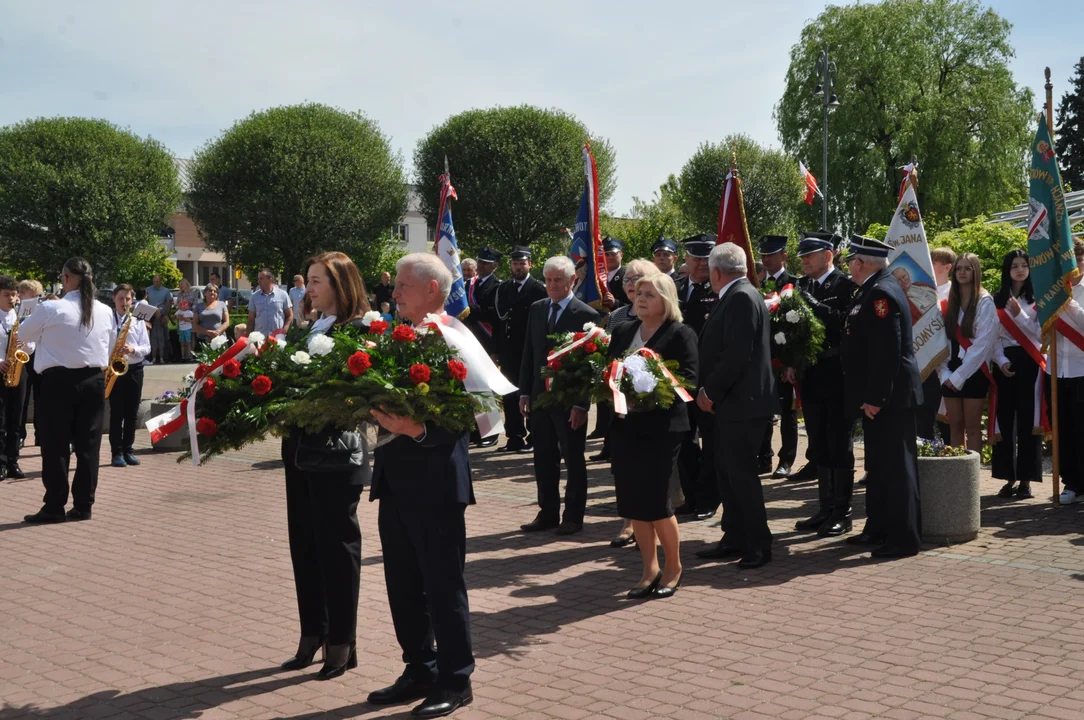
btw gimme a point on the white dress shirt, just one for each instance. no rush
(1070, 357)
(727, 287)
(1028, 322)
(943, 290)
(7, 321)
(562, 305)
(138, 337)
(982, 345)
(62, 341)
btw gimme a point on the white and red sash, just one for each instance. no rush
(1040, 416)
(966, 343)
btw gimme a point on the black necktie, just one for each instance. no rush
(554, 309)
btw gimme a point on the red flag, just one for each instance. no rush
(910, 174)
(732, 227)
(811, 188)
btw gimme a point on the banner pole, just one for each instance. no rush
(1055, 465)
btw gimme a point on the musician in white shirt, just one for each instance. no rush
(127, 388)
(11, 398)
(72, 336)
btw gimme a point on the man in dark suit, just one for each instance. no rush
(423, 481)
(512, 305)
(482, 319)
(736, 384)
(557, 432)
(883, 388)
(773, 255)
(614, 251)
(696, 465)
(829, 429)
(664, 255)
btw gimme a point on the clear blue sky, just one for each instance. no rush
(655, 78)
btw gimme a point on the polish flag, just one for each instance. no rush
(811, 188)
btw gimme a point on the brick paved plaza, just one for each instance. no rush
(177, 601)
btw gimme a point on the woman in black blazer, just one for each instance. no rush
(645, 444)
(321, 508)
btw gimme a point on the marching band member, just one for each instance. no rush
(127, 388)
(72, 337)
(29, 289)
(11, 398)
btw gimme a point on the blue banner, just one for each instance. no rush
(447, 249)
(582, 251)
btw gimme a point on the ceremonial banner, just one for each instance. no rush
(1050, 242)
(586, 241)
(732, 227)
(447, 249)
(909, 262)
(811, 189)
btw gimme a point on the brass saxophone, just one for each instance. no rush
(16, 356)
(118, 363)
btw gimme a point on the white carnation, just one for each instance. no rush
(368, 318)
(588, 327)
(643, 382)
(422, 331)
(219, 341)
(190, 378)
(301, 357)
(256, 338)
(635, 364)
(321, 345)
(431, 318)
(780, 338)
(793, 316)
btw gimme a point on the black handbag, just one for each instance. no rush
(333, 451)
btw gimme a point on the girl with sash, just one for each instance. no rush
(971, 324)
(1070, 327)
(1018, 367)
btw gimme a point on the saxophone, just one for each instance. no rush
(16, 356)
(118, 363)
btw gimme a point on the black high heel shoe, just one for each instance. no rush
(667, 592)
(306, 651)
(640, 593)
(337, 660)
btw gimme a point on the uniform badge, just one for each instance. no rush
(881, 308)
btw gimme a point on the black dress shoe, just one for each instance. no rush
(864, 481)
(306, 651)
(538, 524)
(646, 591)
(781, 472)
(130, 458)
(662, 592)
(622, 541)
(684, 509)
(488, 442)
(443, 701)
(864, 538)
(43, 516)
(755, 559)
(807, 472)
(814, 522)
(764, 468)
(527, 449)
(569, 527)
(894, 551)
(15, 472)
(602, 455)
(834, 528)
(720, 552)
(597, 434)
(705, 514)
(337, 660)
(75, 514)
(406, 689)
(513, 445)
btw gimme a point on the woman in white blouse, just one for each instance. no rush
(970, 315)
(1018, 448)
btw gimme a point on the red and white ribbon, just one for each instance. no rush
(617, 371)
(773, 299)
(591, 335)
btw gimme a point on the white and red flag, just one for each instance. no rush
(811, 189)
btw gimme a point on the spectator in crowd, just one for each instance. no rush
(161, 298)
(270, 309)
(187, 300)
(297, 292)
(212, 315)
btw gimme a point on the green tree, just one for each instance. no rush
(649, 221)
(990, 241)
(139, 268)
(1069, 138)
(923, 78)
(287, 183)
(771, 185)
(518, 173)
(78, 187)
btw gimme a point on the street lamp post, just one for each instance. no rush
(826, 70)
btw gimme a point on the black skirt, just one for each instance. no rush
(644, 456)
(975, 387)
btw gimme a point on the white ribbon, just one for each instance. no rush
(249, 349)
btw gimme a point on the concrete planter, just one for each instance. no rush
(949, 492)
(175, 442)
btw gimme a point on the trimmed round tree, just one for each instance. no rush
(80, 187)
(287, 183)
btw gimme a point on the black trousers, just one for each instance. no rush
(425, 550)
(689, 463)
(702, 489)
(515, 425)
(1070, 429)
(926, 414)
(604, 415)
(33, 390)
(72, 403)
(788, 427)
(325, 548)
(892, 503)
(745, 519)
(124, 409)
(11, 417)
(1018, 455)
(554, 439)
(830, 431)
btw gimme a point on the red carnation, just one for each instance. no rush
(378, 327)
(457, 370)
(231, 369)
(261, 385)
(590, 348)
(403, 333)
(359, 362)
(209, 387)
(206, 427)
(418, 373)
(554, 365)
(202, 370)
(579, 336)
(604, 340)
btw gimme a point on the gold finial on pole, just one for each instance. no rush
(734, 156)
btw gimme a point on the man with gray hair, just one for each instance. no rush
(736, 385)
(557, 432)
